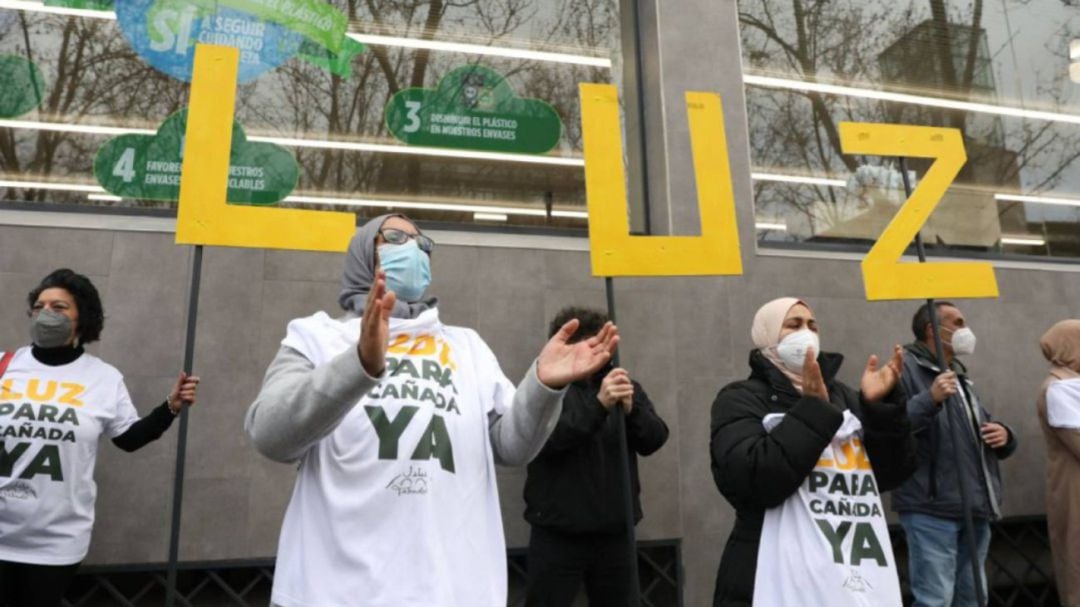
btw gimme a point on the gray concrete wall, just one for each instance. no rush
(683, 338)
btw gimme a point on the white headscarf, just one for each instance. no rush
(768, 322)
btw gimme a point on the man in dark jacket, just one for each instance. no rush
(944, 409)
(574, 494)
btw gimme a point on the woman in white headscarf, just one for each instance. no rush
(397, 422)
(802, 458)
(1059, 416)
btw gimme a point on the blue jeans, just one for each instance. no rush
(939, 562)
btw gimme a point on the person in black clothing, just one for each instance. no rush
(573, 492)
(757, 470)
(56, 400)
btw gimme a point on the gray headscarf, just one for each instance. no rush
(359, 273)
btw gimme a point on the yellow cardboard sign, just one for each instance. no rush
(614, 251)
(203, 216)
(884, 276)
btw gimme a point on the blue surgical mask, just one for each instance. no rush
(408, 270)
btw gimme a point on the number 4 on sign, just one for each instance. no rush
(884, 275)
(125, 166)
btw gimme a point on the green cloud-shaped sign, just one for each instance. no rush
(473, 108)
(21, 86)
(148, 166)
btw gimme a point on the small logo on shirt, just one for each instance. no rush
(856, 583)
(19, 491)
(413, 482)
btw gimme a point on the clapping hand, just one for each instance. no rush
(375, 326)
(813, 382)
(561, 363)
(877, 383)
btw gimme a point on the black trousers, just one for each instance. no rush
(560, 563)
(25, 585)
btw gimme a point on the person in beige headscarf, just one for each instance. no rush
(770, 433)
(1059, 416)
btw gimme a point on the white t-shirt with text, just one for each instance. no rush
(828, 544)
(51, 419)
(398, 505)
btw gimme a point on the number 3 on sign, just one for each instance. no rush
(413, 114)
(884, 275)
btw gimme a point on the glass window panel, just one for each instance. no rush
(1006, 61)
(96, 86)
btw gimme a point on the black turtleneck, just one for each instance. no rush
(145, 431)
(54, 357)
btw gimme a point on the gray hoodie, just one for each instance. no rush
(300, 403)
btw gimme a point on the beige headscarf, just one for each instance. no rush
(765, 333)
(1061, 346)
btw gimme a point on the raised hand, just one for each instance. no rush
(877, 383)
(616, 389)
(561, 363)
(813, 381)
(183, 392)
(375, 326)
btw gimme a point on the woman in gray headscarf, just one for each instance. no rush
(1059, 415)
(397, 421)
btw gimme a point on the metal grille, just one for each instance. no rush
(659, 569)
(248, 583)
(219, 584)
(1019, 572)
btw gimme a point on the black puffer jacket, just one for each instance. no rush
(756, 470)
(575, 485)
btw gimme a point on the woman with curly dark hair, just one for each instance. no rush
(56, 400)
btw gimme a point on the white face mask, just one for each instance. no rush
(963, 342)
(792, 349)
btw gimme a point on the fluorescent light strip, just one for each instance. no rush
(63, 127)
(420, 151)
(47, 185)
(489, 216)
(434, 206)
(98, 193)
(1067, 202)
(849, 91)
(313, 143)
(764, 225)
(1017, 240)
(837, 183)
(399, 41)
(480, 49)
